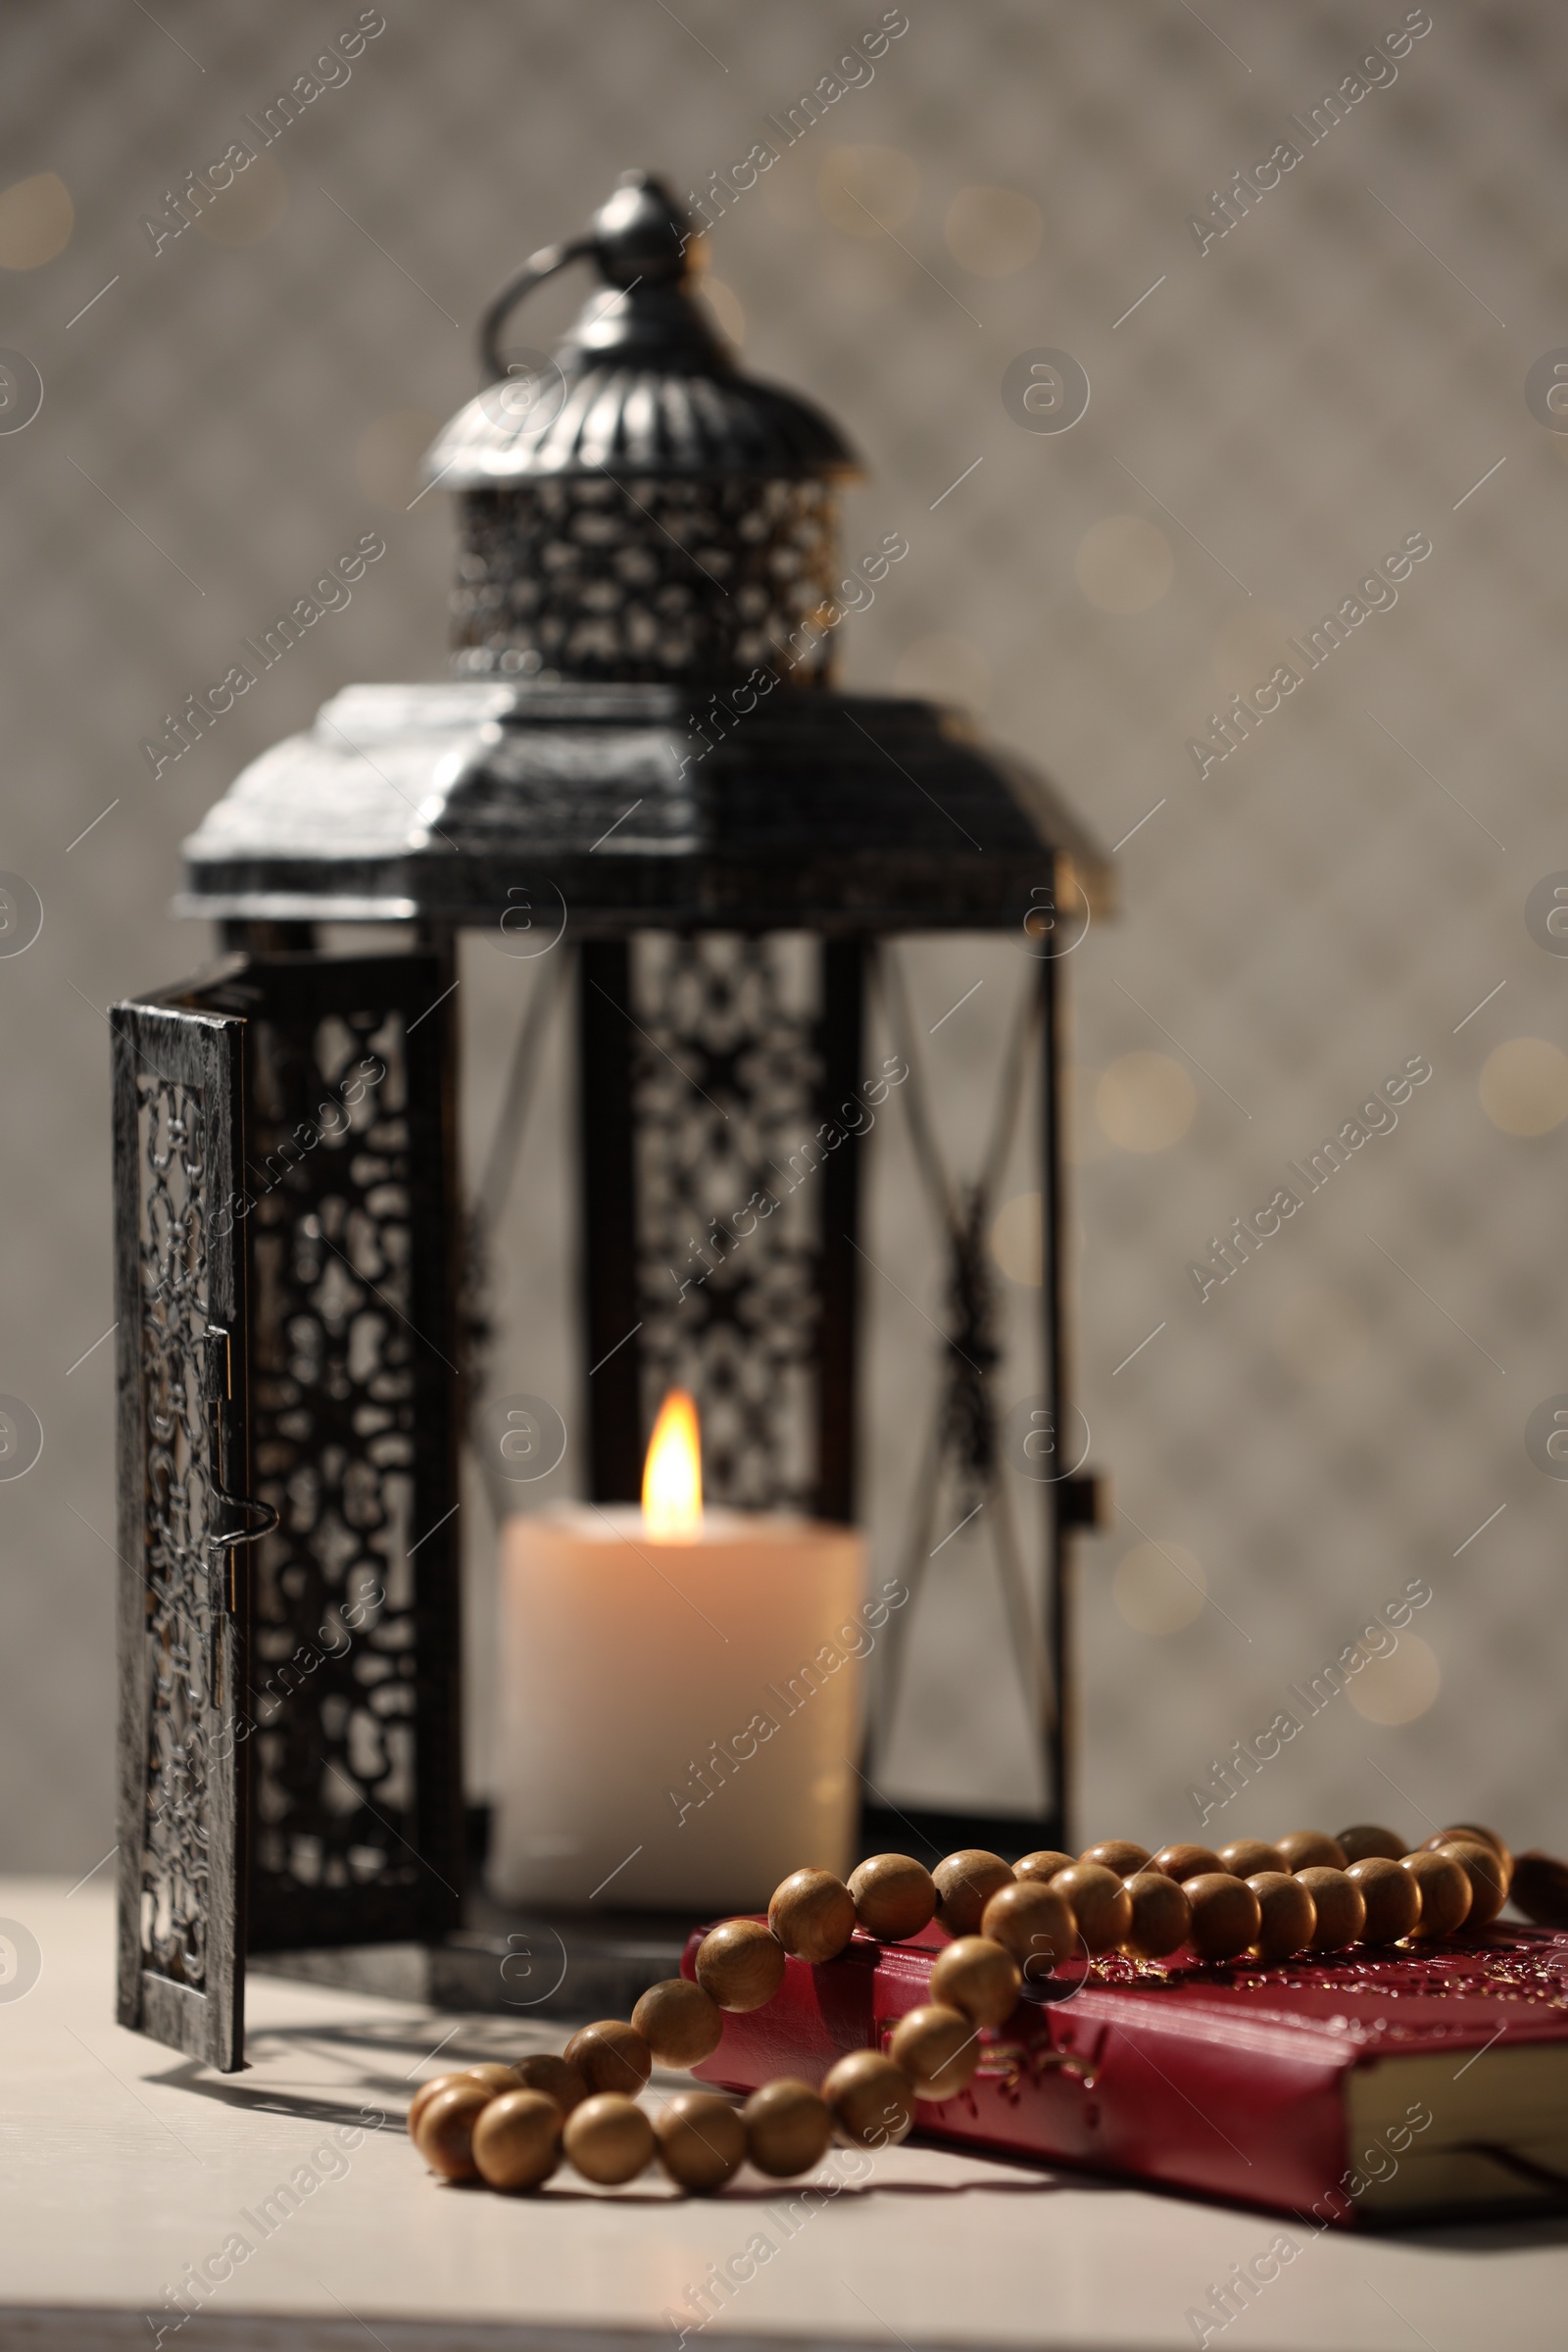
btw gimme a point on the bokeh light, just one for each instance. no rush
(37, 219)
(1146, 1102)
(1158, 1588)
(1524, 1086)
(1398, 1688)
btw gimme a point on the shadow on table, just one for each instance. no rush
(370, 2051)
(784, 2192)
(369, 2054)
(1507, 2233)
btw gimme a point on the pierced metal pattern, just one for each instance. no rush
(180, 1475)
(685, 582)
(180, 1339)
(729, 1188)
(333, 1697)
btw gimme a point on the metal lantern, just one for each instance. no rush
(641, 745)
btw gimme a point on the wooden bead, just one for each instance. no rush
(978, 1976)
(893, 1897)
(609, 2139)
(516, 2141)
(740, 1965)
(700, 2139)
(965, 1883)
(1538, 1888)
(1483, 1867)
(1250, 1857)
(1392, 1897)
(1184, 1862)
(1289, 1914)
(1035, 1923)
(788, 2127)
(812, 1915)
(1227, 1915)
(610, 2056)
(557, 2078)
(495, 2078)
(1458, 1831)
(1118, 1854)
(1043, 1865)
(1444, 1894)
(1310, 1849)
(681, 2024)
(1101, 1906)
(871, 2101)
(422, 2098)
(1163, 1916)
(937, 2049)
(444, 2136)
(1341, 1906)
(1368, 1842)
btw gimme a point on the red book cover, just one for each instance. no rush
(1365, 2083)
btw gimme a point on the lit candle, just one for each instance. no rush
(679, 1703)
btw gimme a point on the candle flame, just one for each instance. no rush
(672, 1478)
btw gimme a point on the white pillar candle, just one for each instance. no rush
(678, 1719)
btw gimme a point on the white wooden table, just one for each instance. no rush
(128, 2168)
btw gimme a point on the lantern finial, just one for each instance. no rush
(634, 509)
(641, 234)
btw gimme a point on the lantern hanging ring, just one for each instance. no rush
(639, 238)
(544, 264)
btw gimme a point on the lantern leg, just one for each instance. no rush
(615, 1316)
(840, 1036)
(1062, 1728)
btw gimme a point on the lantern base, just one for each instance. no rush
(507, 1963)
(929, 1834)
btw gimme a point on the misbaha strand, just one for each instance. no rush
(1013, 1927)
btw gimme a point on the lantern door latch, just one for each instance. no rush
(1086, 1500)
(237, 1518)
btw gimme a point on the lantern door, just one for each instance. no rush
(289, 1633)
(182, 1601)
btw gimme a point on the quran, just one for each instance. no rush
(1376, 2085)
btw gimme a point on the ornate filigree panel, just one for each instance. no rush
(178, 1335)
(288, 1630)
(350, 1717)
(180, 1476)
(687, 582)
(729, 1162)
(332, 1700)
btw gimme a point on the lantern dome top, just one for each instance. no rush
(643, 730)
(643, 383)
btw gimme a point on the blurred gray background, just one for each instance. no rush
(1272, 412)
